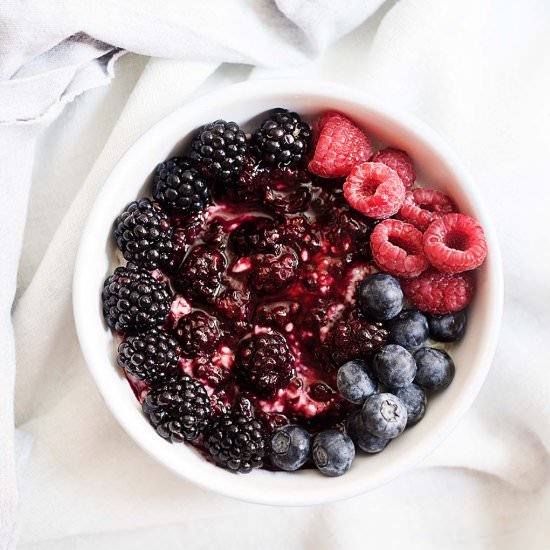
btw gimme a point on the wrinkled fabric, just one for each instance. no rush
(52, 51)
(476, 72)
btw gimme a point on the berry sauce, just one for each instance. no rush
(283, 252)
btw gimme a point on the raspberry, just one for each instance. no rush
(264, 363)
(273, 273)
(355, 338)
(200, 274)
(375, 190)
(423, 206)
(198, 333)
(215, 234)
(397, 248)
(400, 162)
(455, 243)
(440, 293)
(340, 147)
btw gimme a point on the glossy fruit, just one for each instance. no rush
(375, 190)
(409, 329)
(354, 383)
(379, 297)
(384, 415)
(340, 146)
(290, 447)
(435, 369)
(333, 452)
(394, 366)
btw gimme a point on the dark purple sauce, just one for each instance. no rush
(308, 221)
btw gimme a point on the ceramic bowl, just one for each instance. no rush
(437, 166)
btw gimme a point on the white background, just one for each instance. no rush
(476, 71)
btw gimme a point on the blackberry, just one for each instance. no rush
(215, 234)
(179, 187)
(198, 333)
(214, 372)
(319, 318)
(133, 301)
(255, 235)
(287, 202)
(237, 442)
(355, 338)
(282, 139)
(182, 239)
(144, 234)
(276, 314)
(220, 148)
(233, 304)
(200, 274)
(271, 273)
(264, 363)
(247, 188)
(349, 231)
(152, 356)
(319, 277)
(299, 233)
(179, 409)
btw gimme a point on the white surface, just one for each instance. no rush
(475, 70)
(244, 103)
(51, 51)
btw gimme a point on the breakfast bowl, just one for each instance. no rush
(436, 167)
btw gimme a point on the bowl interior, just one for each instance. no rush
(436, 167)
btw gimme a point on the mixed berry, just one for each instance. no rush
(288, 294)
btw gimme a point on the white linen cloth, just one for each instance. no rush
(474, 70)
(53, 50)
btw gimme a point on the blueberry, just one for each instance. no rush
(394, 366)
(409, 329)
(435, 368)
(365, 441)
(380, 297)
(414, 399)
(449, 327)
(290, 447)
(333, 452)
(354, 384)
(384, 415)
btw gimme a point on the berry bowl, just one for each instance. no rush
(431, 261)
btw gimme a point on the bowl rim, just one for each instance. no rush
(270, 89)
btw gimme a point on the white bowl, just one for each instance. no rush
(437, 166)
